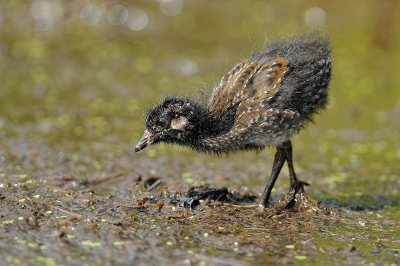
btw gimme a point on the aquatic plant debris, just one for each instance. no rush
(183, 217)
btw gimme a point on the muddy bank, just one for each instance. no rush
(118, 216)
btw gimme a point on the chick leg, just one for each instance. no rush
(293, 179)
(280, 158)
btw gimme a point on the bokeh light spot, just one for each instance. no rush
(40, 9)
(90, 14)
(41, 12)
(186, 67)
(44, 24)
(117, 15)
(40, 90)
(315, 17)
(171, 7)
(137, 19)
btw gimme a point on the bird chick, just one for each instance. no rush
(261, 102)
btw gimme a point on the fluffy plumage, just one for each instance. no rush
(261, 102)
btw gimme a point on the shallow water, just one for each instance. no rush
(71, 101)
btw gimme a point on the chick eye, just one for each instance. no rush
(161, 123)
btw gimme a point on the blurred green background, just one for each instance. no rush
(75, 73)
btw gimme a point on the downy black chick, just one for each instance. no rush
(262, 101)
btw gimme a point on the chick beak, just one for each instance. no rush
(145, 141)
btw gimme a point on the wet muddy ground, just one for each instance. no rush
(74, 79)
(85, 207)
